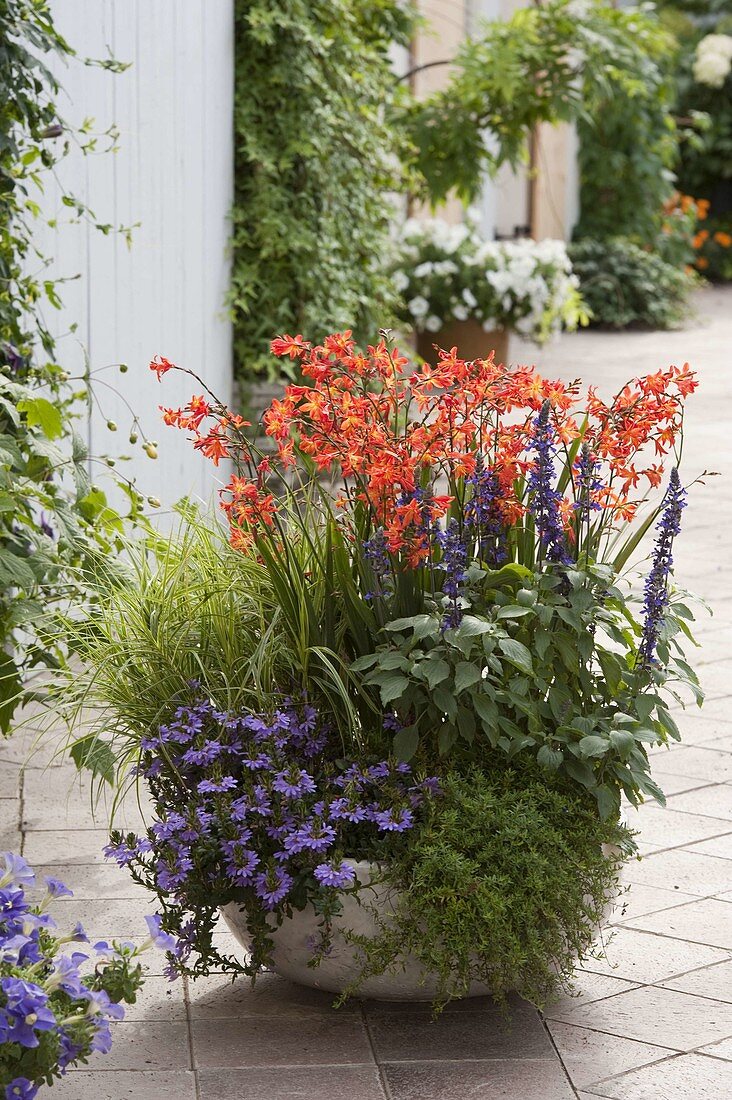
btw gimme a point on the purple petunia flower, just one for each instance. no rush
(56, 888)
(26, 1011)
(160, 938)
(20, 1088)
(17, 871)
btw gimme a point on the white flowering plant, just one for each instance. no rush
(713, 60)
(452, 273)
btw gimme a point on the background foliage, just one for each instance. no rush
(315, 162)
(53, 522)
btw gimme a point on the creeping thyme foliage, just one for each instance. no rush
(57, 997)
(504, 883)
(251, 808)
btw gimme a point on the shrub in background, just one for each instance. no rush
(623, 284)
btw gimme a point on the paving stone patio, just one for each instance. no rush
(652, 1019)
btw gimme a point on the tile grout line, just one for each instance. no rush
(189, 1032)
(556, 1050)
(383, 1082)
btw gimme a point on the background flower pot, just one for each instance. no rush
(294, 939)
(471, 340)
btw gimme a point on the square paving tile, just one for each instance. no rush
(692, 872)
(94, 882)
(637, 900)
(591, 1055)
(719, 1050)
(65, 846)
(593, 987)
(148, 1045)
(661, 1017)
(711, 981)
(720, 846)
(125, 1085)
(643, 957)
(292, 1083)
(115, 919)
(217, 997)
(689, 1077)
(281, 1041)
(415, 1036)
(714, 801)
(531, 1079)
(705, 921)
(663, 827)
(699, 763)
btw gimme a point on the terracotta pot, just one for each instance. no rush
(470, 339)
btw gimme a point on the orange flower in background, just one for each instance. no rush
(161, 366)
(723, 239)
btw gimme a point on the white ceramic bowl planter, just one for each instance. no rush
(293, 945)
(294, 938)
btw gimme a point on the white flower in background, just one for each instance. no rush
(713, 60)
(401, 281)
(454, 274)
(419, 307)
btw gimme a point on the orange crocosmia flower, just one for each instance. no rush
(161, 365)
(723, 239)
(214, 446)
(294, 346)
(199, 409)
(699, 238)
(702, 262)
(171, 417)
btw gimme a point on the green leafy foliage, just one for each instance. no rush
(548, 63)
(623, 284)
(504, 884)
(315, 160)
(51, 529)
(552, 676)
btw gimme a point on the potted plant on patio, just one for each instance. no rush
(461, 290)
(388, 726)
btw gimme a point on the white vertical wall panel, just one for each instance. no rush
(172, 174)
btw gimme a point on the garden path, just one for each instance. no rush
(653, 1019)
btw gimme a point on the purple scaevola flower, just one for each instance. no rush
(272, 886)
(545, 500)
(337, 875)
(294, 782)
(393, 821)
(656, 587)
(217, 786)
